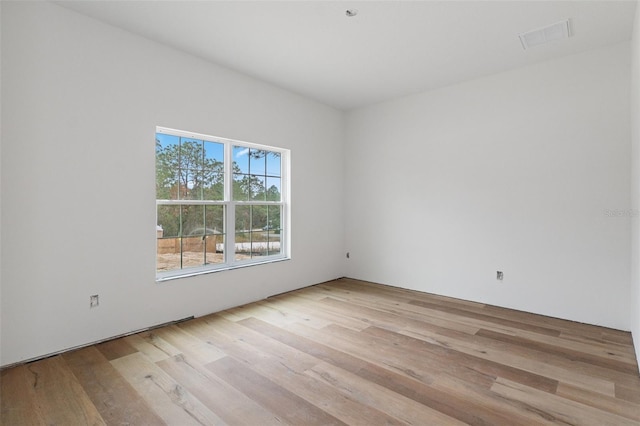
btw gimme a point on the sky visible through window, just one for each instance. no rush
(268, 167)
(211, 211)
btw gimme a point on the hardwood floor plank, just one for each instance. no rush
(519, 413)
(571, 354)
(366, 371)
(115, 399)
(190, 346)
(340, 352)
(344, 408)
(152, 338)
(616, 336)
(625, 351)
(628, 393)
(152, 352)
(235, 337)
(558, 409)
(595, 333)
(381, 318)
(560, 361)
(407, 310)
(287, 372)
(270, 313)
(18, 400)
(170, 400)
(482, 344)
(413, 384)
(231, 405)
(453, 357)
(605, 403)
(114, 349)
(410, 357)
(487, 318)
(57, 396)
(44, 393)
(396, 405)
(398, 293)
(313, 315)
(285, 404)
(521, 361)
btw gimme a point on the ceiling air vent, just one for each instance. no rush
(553, 32)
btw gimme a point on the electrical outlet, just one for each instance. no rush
(94, 301)
(499, 275)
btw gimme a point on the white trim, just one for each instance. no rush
(191, 202)
(220, 267)
(230, 207)
(211, 138)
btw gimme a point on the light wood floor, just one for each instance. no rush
(343, 352)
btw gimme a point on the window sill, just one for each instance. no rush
(170, 276)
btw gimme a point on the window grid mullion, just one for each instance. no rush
(230, 219)
(228, 203)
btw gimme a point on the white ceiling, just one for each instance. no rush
(390, 49)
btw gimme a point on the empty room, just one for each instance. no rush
(319, 212)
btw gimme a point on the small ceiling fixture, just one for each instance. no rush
(351, 12)
(553, 32)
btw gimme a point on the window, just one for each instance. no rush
(220, 203)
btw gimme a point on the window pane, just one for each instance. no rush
(214, 234)
(257, 162)
(192, 252)
(194, 235)
(213, 188)
(213, 156)
(191, 168)
(186, 181)
(258, 243)
(214, 249)
(257, 231)
(168, 258)
(243, 245)
(240, 159)
(192, 184)
(166, 185)
(257, 188)
(169, 221)
(258, 218)
(193, 221)
(273, 164)
(167, 154)
(214, 220)
(273, 189)
(168, 249)
(251, 231)
(164, 142)
(191, 154)
(273, 236)
(274, 242)
(241, 187)
(274, 218)
(243, 218)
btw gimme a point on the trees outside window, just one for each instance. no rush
(220, 203)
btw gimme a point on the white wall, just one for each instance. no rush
(80, 104)
(510, 172)
(635, 182)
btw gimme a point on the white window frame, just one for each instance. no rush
(230, 206)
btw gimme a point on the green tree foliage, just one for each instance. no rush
(183, 172)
